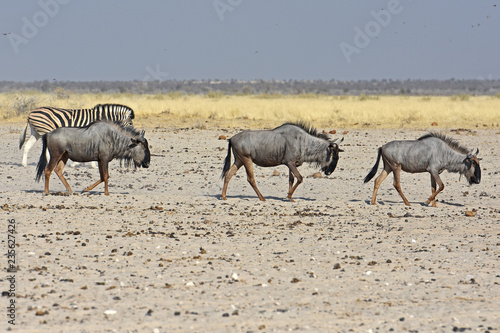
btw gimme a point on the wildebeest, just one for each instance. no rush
(289, 144)
(45, 119)
(101, 141)
(433, 153)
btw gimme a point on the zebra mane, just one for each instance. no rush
(308, 129)
(115, 107)
(449, 141)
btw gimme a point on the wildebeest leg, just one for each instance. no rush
(437, 179)
(433, 188)
(387, 170)
(105, 176)
(59, 172)
(230, 173)
(397, 183)
(293, 172)
(248, 163)
(54, 160)
(101, 173)
(291, 180)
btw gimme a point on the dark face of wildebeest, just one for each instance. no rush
(473, 173)
(332, 158)
(140, 152)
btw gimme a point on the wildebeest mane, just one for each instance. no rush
(449, 141)
(121, 127)
(308, 129)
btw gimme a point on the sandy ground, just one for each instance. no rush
(163, 253)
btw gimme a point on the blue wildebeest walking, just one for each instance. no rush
(43, 120)
(433, 153)
(101, 141)
(288, 144)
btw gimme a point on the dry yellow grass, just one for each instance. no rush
(218, 110)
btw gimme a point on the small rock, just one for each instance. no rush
(336, 266)
(110, 312)
(276, 173)
(222, 137)
(434, 124)
(317, 175)
(470, 213)
(333, 132)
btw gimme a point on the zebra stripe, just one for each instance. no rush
(46, 119)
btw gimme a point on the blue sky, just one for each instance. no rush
(76, 40)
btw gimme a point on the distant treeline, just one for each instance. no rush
(290, 87)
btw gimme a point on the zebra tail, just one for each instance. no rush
(42, 162)
(227, 161)
(22, 139)
(373, 171)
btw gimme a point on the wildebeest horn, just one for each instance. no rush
(337, 139)
(142, 133)
(471, 153)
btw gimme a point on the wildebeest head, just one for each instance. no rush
(332, 157)
(473, 172)
(140, 151)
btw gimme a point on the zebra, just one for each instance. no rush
(45, 119)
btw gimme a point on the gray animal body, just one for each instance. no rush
(288, 144)
(101, 141)
(431, 153)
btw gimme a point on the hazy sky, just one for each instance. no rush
(79, 40)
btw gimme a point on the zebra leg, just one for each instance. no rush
(93, 164)
(27, 146)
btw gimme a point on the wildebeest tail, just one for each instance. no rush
(373, 171)
(227, 161)
(23, 136)
(42, 162)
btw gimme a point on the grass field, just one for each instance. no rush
(268, 110)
